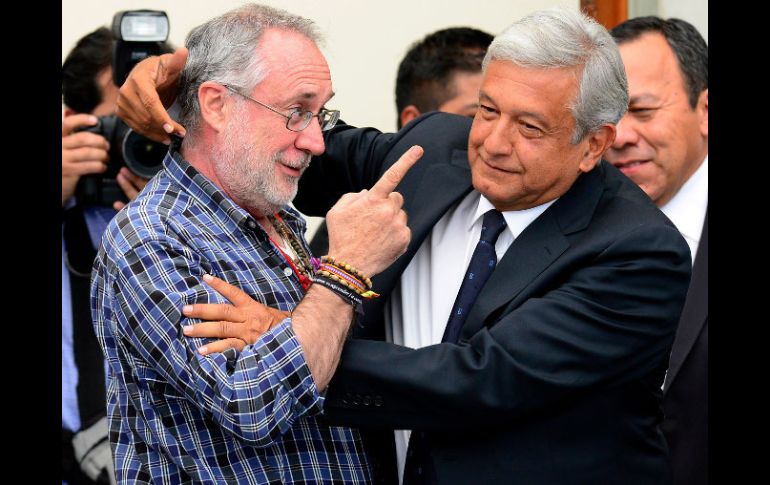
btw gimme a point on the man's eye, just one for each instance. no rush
(529, 130)
(641, 111)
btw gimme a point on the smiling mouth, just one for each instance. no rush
(496, 168)
(295, 169)
(629, 165)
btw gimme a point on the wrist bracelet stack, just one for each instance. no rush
(346, 281)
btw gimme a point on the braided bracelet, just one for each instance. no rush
(348, 269)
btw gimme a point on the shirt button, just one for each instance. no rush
(251, 224)
(287, 271)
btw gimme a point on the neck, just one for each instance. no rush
(200, 159)
(269, 228)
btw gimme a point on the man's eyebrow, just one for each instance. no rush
(537, 116)
(643, 98)
(309, 96)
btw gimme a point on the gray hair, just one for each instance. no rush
(561, 38)
(224, 50)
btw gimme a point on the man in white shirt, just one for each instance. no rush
(662, 145)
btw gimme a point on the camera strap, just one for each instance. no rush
(89, 359)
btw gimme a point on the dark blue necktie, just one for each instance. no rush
(479, 270)
(418, 468)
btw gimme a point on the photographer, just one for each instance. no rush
(88, 93)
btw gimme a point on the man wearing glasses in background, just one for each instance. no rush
(220, 207)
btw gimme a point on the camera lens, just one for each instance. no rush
(141, 155)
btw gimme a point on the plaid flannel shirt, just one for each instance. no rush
(176, 416)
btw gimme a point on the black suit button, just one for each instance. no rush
(367, 400)
(357, 399)
(346, 399)
(377, 401)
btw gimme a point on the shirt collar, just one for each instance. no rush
(687, 209)
(516, 221)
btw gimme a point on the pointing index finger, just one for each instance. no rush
(396, 172)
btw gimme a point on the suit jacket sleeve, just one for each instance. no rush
(605, 322)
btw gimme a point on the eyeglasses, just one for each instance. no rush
(299, 119)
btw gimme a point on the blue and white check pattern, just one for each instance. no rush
(179, 417)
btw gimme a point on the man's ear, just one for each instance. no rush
(703, 112)
(409, 113)
(215, 109)
(596, 143)
(69, 111)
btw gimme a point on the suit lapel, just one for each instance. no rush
(695, 310)
(531, 253)
(536, 248)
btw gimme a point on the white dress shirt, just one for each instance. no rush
(419, 306)
(687, 209)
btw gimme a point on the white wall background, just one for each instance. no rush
(694, 11)
(365, 39)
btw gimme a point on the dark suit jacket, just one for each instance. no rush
(685, 394)
(558, 371)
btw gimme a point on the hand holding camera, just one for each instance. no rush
(82, 153)
(110, 161)
(133, 159)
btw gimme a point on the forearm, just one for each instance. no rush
(321, 322)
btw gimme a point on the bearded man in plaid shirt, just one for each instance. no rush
(253, 95)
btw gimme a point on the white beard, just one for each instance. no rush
(249, 175)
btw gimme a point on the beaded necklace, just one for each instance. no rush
(302, 264)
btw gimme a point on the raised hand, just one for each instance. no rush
(150, 86)
(368, 229)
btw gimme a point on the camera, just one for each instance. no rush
(141, 155)
(138, 34)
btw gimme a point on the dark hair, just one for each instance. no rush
(688, 45)
(90, 56)
(425, 73)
